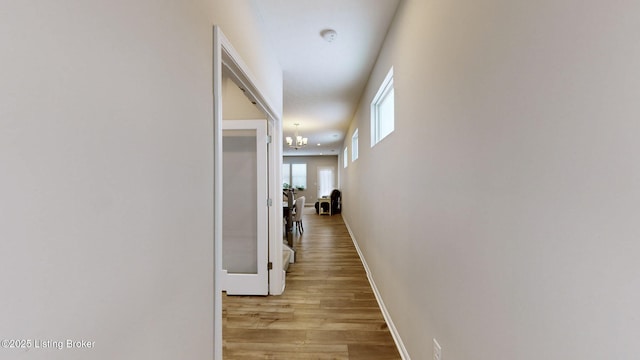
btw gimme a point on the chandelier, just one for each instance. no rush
(300, 142)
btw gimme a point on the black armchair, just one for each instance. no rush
(336, 203)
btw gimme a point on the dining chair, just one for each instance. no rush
(297, 216)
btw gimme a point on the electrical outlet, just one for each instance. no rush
(437, 350)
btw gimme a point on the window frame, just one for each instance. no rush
(385, 89)
(354, 146)
(286, 174)
(345, 157)
(289, 179)
(298, 176)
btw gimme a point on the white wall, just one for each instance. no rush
(511, 230)
(106, 185)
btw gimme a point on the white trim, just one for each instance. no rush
(276, 278)
(385, 313)
(217, 193)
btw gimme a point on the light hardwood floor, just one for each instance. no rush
(328, 310)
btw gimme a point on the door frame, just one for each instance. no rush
(225, 56)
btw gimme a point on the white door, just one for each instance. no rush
(326, 182)
(245, 229)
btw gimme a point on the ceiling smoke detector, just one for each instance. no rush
(328, 35)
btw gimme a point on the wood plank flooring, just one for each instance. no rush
(328, 310)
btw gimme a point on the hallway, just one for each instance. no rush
(328, 310)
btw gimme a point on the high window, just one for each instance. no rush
(382, 110)
(345, 157)
(354, 146)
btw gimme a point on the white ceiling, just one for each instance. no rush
(323, 81)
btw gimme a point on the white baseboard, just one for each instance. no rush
(387, 317)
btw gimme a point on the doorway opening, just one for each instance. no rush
(227, 61)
